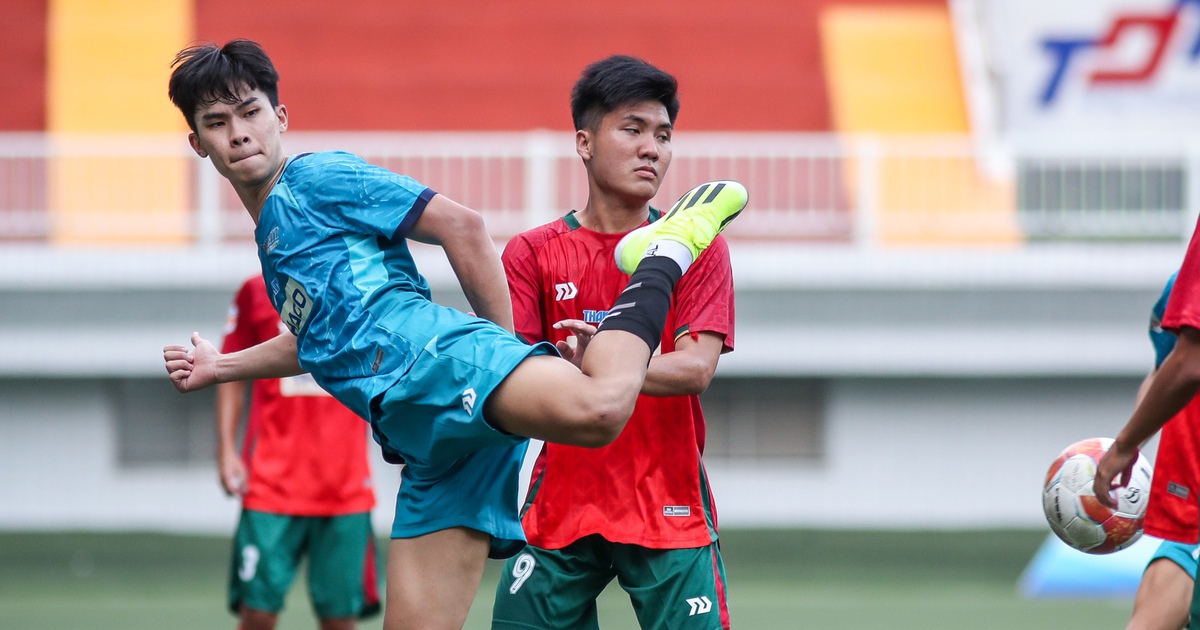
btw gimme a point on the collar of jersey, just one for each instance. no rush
(573, 223)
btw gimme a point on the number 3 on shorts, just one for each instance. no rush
(249, 563)
(521, 570)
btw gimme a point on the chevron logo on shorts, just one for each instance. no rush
(700, 605)
(468, 400)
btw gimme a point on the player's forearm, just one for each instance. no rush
(686, 371)
(481, 275)
(275, 358)
(1145, 387)
(489, 300)
(669, 375)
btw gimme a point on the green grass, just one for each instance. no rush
(777, 579)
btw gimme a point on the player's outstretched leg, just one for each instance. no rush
(694, 221)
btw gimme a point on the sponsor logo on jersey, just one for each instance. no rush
(699, 605)
(468, 400)
(594, 317)
(1178, 490)
(272, 241)
(677, 510)
(297, 306)
(565, 291)
(378, 361)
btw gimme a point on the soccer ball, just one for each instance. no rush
(1073, 511)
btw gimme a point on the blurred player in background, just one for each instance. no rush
(1165, 593)
(305, 483)
(451, 395)
(640, 509)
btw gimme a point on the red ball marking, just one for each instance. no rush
(1054, 468)
(1117, 531)
(1093, 448)
(1091, 506)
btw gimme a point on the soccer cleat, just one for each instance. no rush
(694, 220)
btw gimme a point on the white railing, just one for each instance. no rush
(864, 191)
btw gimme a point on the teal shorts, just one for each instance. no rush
(342, 570)
(1179, 553)
(459, 471)
(682, 589)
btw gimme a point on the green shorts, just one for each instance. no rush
(681, 589)
(342, 576)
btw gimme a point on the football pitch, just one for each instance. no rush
(778, 579)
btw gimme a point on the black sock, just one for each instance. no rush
(642, 307)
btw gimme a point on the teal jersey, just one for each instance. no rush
(1163, 340)
(331, 240)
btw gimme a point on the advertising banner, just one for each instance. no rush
(1125, 67)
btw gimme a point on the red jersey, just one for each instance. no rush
(305, 453)
(649, 487)
(1173, 512)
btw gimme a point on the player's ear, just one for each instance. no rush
(194, 140)
(583, 144)
(282, 114)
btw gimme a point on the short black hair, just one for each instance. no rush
(208, 73)
(617, 80)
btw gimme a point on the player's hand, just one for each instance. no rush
(1113, 471)
(581, 333)
(233, 473)
(192, 369)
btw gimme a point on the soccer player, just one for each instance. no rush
(451, 395)
(1165, 592)
(305, 485)
(639, 509)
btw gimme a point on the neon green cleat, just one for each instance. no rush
(694, 220)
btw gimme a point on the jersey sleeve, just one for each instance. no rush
(239, 327)
(363, 198)
(704, 296)
(524, 286)
(1183, 307)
